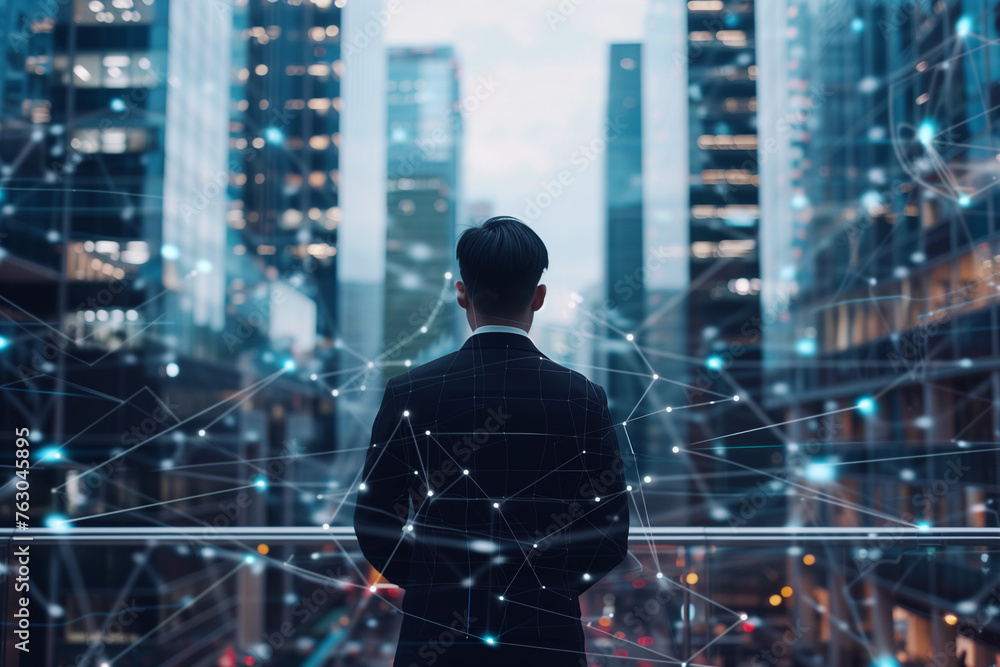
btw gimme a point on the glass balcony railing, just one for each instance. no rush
(684, 596)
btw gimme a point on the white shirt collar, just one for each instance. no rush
(499, 328)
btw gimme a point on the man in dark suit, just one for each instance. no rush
(493, 489)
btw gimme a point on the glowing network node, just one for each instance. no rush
(289, 365)
(423, 329)
(313, 377)
(806, 347)
(4, 342)
(362, 486)
(597, 500)
(50, 454)
(675, 449)
(965, 201)
(430, 493)
(866, 406)
(496, 505)
(447, 276)
(820, 472)
(410, 527)
(370, 364)
(371, 588)
(465, 472)
(628, 488)
(964, 26)
(885, 661)
(273, 135)
(714, 362)
(629, 337)
(923, 526)
(501, 597)
(406, 413)
(326, 526)
(169, 251)
(260, 483)
(172, 370)
(490, 640)
(335, 392)
(669, 409)
(534, 546)
(736, 397)
(857, 24)
(249, 558)
(586, 577)
(57, 522)
(926, 132)
(659, 575)
(647, 479)
(201, 432)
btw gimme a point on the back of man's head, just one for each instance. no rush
(501, 262)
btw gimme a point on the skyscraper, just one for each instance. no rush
(424, 130)
(881, 353)
(135, 323)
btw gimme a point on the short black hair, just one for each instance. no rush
(501, 262)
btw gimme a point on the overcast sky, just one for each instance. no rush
(549, 68)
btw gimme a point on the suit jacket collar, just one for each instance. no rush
(501, 339)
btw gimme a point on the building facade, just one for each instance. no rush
(424, 134)
(882, 262)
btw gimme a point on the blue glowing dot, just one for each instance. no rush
(820, 472)
(714, 362)
(964, 26)
(806, 347)
(866, 405)
(965, 201)
(118, 105)
(173, 370)
(490, 641)
(857, 24)
(885, 661)
(249, 558)
(273, 135)
(203, 266)
(50, 454)
(289, 365)
(800, 202)
(926, 132)
(170, 252)
(4, 342)
(260, 483)
(923, 526)
(58, 522)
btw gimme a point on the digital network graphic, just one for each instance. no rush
(840, 512)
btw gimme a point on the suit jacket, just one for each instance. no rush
(494, 493)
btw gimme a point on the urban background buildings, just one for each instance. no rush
(225, 224)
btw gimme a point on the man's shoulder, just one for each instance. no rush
(457, 365)
(433, 369)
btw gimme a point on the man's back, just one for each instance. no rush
(494, 494)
